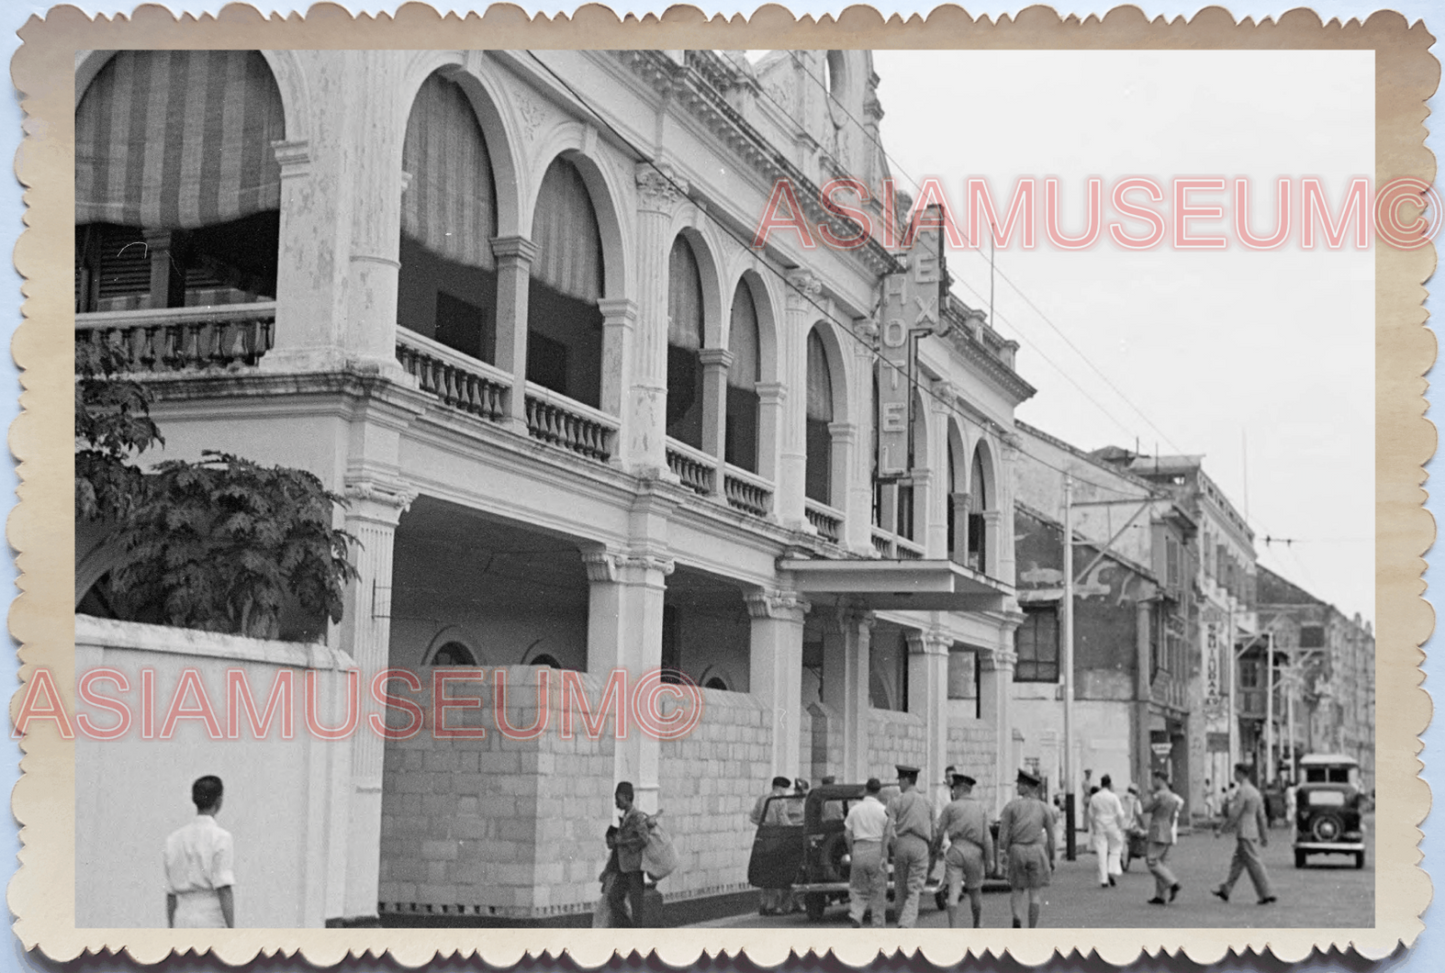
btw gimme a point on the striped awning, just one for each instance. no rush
(178, 139)
(684, 297)
(820, 381)
(743, 340)
(449, 205)
(564, 228)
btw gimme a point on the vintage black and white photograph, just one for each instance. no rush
(795, 490)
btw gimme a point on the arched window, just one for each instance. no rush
(684, 341)
(546, 659)
(564, 326)
(177, 188)
(447, 285)
(819, 441)
(741, 431)
(954, 553)
(453, 654)
(979, 501)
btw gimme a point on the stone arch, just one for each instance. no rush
(714, 300)
(570, 141)
(449, 638)
(475, 74)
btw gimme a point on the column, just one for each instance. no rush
(996, 678)
(924, 523)
(1004, 524)
(775, 670)
(928, 699)
(845, 686)
(715, 365)
(514, 277)
(375, 507)
(168, 274)
(843, 437)
(859, 507)
(994, 543)
(803, 290)
(624, 631)
(369, 327)
(962, 507)
(1143, 755)
(772, 415)
(644, 425)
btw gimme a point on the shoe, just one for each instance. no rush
(1220, 892)
(856, 923)
(1155, 901)
(1018, 925)
(1104, 885)
(1111, 881)
(1269, 900)
(1174, 891)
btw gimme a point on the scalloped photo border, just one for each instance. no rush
(41, 893)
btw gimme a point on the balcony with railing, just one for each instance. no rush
(895, 546)
(458, 380)
(699, 472)
(567, 423)
(826, 520)
(176, 339)
(747, 492)
(695, 469)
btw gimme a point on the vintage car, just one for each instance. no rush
(1328, 809)
(800, 846)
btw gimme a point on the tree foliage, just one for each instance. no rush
(223, 544)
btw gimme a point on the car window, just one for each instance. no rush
(1327, 798)
(836, 810)
(787, 809)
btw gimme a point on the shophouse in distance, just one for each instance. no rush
(1135, 609)
(507, 305)
(1323, 678)
(1223, 621)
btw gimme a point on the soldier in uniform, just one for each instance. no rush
(970, 851)
(912, 821)
(1026, 842)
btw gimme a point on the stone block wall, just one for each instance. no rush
(496, 826)
(894, 738)
(973, 750)
(824, 751)
(708, 783)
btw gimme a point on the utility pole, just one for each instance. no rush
(1268, 708)
(1066, 624)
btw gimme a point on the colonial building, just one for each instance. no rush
(1323, 679)
(1134, 614)
(508, 306)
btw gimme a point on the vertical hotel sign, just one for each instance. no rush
(911, 308)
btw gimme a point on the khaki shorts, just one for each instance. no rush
(1028, 866)
(962, 865)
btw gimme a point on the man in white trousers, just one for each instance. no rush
(1106, 817)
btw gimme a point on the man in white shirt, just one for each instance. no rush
(1106, 816)
(199, 863)
(867, 829)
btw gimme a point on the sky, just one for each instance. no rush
(1262, 361)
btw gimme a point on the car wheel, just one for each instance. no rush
(1299, 859)
(1359, 859)
(835, 859)
(1327, 827)
(815, 903)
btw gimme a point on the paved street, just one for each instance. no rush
(1330, 892)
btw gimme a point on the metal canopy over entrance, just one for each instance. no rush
(923, 585)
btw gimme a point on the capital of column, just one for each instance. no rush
(771, 393)
(293, 156)
(516, 249)
(930, 642)
(921, 476)
(998, 660)
(775, 603)
(615, 566)
(804, 289)
(866, 328)
(618, 310)
(943, 395)
(658, 189)
(856, 616)
(716, 356)
(843, 433)
(962, 501)
(381, 500)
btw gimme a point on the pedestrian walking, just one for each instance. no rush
(627, 889)
(1106, 816)
(770, 900)
(866, 830)
(1026, 842)
(964, 823)
(912, 821)
(199, 865)
(1246, 819)
(1162, 807)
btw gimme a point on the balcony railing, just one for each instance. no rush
(560, 421)
(692, 466)
(746, 492)
(223, 336)
(882, 543)
(458, 380)
(893, 546)
(826, 520)
(906, 550)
